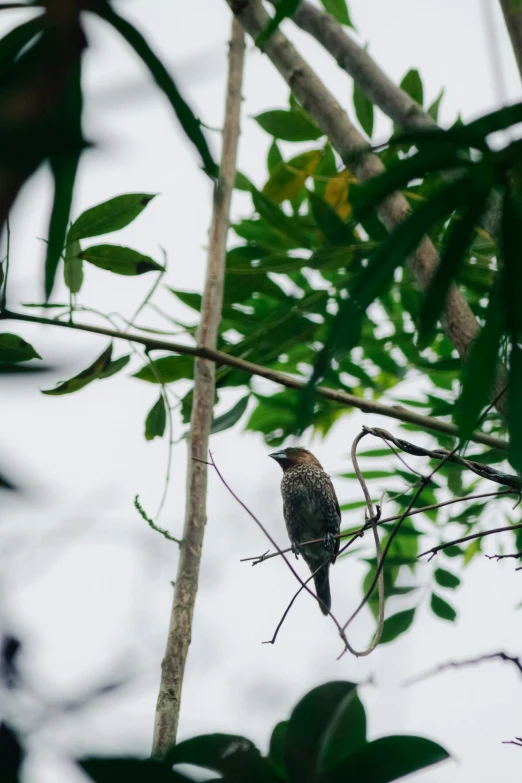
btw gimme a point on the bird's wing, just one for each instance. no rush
(338, 521)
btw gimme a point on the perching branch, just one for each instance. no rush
(433, 551)
(180, 629)
(458, 320)
(220, 357)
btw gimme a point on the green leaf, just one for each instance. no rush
(481, 365)
(284, 9)
(87, 376)
(441, 608)
(326, 169)
(274, 156)
(446, 578)
(335, 230)
(231, 417)
(345, 733)
(120, 260)
(156, 420)
(129, 770)
(73, 267)
(288, 125)
(242, 182)
(395, 625)
(369, 474)
(307, 725)
(189, 298)
(111, 215)
(387, 759)
(276, 218)
(276, 750)
(405, 239)
(412, 85)
(64, 167)
(17, 39)
(461, 235)
(115, 366)
(190, 124)
(433, 110)
(339, 10)
(363, 109)
(167, 369)
(453, 551)
(235, 757)
(15, 349)
(514, 408)
(287, 178)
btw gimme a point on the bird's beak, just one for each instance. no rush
(278, 455)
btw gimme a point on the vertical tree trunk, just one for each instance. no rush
(180, 629)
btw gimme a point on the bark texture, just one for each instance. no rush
(180, 628)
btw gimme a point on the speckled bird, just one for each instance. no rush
(311, 510)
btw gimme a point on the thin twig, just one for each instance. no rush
(517, 662)
(433, 551)
(516, 555)
(165, 533)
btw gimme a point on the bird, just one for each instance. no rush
(311, 510)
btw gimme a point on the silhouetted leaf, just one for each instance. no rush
(276, 750)
(288, 125)
(111, 215)
(17, 39)
(120, 260)
(510, 224)
(11, 754)
(156, 420)
(283, 9)
(307, 725)
(395, 625)
(460, 237)
(235, 757)
(130, 770)
(345, 732)
(167, 369)
(446, 578)
(412, 84)
(441, 608)
(87, 376)
(188, 121)
(514, 408)
(15, 349)
(231, 417)
(363, 109)
(387, 759)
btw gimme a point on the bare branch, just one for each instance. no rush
(513, 20)
(186, 586)
(516, 555)
(221, 358)
(433, 551)
(461, 664)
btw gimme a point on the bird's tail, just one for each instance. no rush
(322, 588)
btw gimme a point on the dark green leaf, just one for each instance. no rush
(130, 770)
(87, 376)
(274, 156)
(11, 754)
(412, 84)
(73, 267)
(307, 725)
(387, 759)
(276, 218)
(120, 260)
(242, 182)
(115, 366)
(514, 408)
(405, 239)
(453, 551)
(188, 121)
(276, 750)
(326, 169)
(235, 757)
(231, 417)
(167, 369)
(339, 10)
(461, 235)
(441, 608)
(369, 474)
(15, 349)
(433, 110)
(363, 109)
(64, 167)
(481, 367)
(395, 625)
(344, 734)
(334, 229)
(156, 420)
(288, 125)
(189, 298)
(111, 215)
(446, 578)
(284, 9)
(510, 224)
(17, 39)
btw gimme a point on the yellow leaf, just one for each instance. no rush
(336, 193)
(473, 549)
(288, 177)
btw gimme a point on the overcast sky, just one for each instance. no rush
(84, 582)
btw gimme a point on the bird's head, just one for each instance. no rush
(294, 455)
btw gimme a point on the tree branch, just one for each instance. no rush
(220, 357)
(180, 629)
(502, 656)
(458, 320)
(513, 20)
(433, 551)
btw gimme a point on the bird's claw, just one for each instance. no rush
(295, 549)
(329, 543)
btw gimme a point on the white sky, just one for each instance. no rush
(84, 582)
